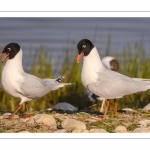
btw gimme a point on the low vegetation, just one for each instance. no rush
(44, 65)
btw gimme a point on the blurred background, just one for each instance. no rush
(49, 50)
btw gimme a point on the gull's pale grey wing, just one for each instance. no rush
(115, 85)
(34, 87)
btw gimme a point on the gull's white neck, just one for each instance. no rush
(12, 74)
(91, 64)
(15, 64)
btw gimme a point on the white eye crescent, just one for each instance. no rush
(9, 49)
(83, 46)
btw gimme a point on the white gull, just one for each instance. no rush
(21, 85)
(103, 82)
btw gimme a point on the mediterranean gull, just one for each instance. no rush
(103, 82)
(21, 85)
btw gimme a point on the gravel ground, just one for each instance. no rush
(92, 120)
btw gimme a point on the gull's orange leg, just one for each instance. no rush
(106, 109)
(28, 114)
(115, 107)
(12, 115)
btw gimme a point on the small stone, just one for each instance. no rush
(144, 123)
(57, 115)
(72, 124)
(49, 109)
(24, 119)
(128, 109)
(53, 127)
(147, 107)
(64, 107)
(80, 131)
(60, 116)
(44, 119)
(84, 113)
(120, 129)
(24, 132)
(98, 131)
(91, 120)
(141, 130)
(6, 115)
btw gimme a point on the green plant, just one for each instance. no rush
(134, 64)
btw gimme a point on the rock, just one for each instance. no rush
(80, 131)
(142, 130)
(23, 119)
(128, 109)
(44, 119)
(144, 123)
(64, 107)
(57, 115)
(91, 120)
(98, 131)
(6, 115)
(60, 131)
(147, 107)
(49, 109)
(120, 129)
(72, 124)
(60, 116)
(24, 132)
(83, 113)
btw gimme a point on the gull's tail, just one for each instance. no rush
(59, 79)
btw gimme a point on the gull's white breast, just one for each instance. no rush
(12, 75)
(91, 65)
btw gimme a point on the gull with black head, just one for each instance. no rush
(21, 85)
(103, 82)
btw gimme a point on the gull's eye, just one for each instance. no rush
(9, 49)
(83, 46)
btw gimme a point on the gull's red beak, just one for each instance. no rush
(79, 57)
(6, 56)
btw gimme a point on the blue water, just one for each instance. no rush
(60, 33)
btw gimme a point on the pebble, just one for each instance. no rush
(24, 132)
(120, 129)
(61, 117)
(98, 131)
(147, 107)
(91, 120)
(24, 119)
(128, 109)
(80, 131)
(144, 123)
(141, 130)
(49, 109)
(6, 115)
(44, 119)
(64, 107)
(72, 124)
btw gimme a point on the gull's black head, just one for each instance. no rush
(85, 46)
(10, 50)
